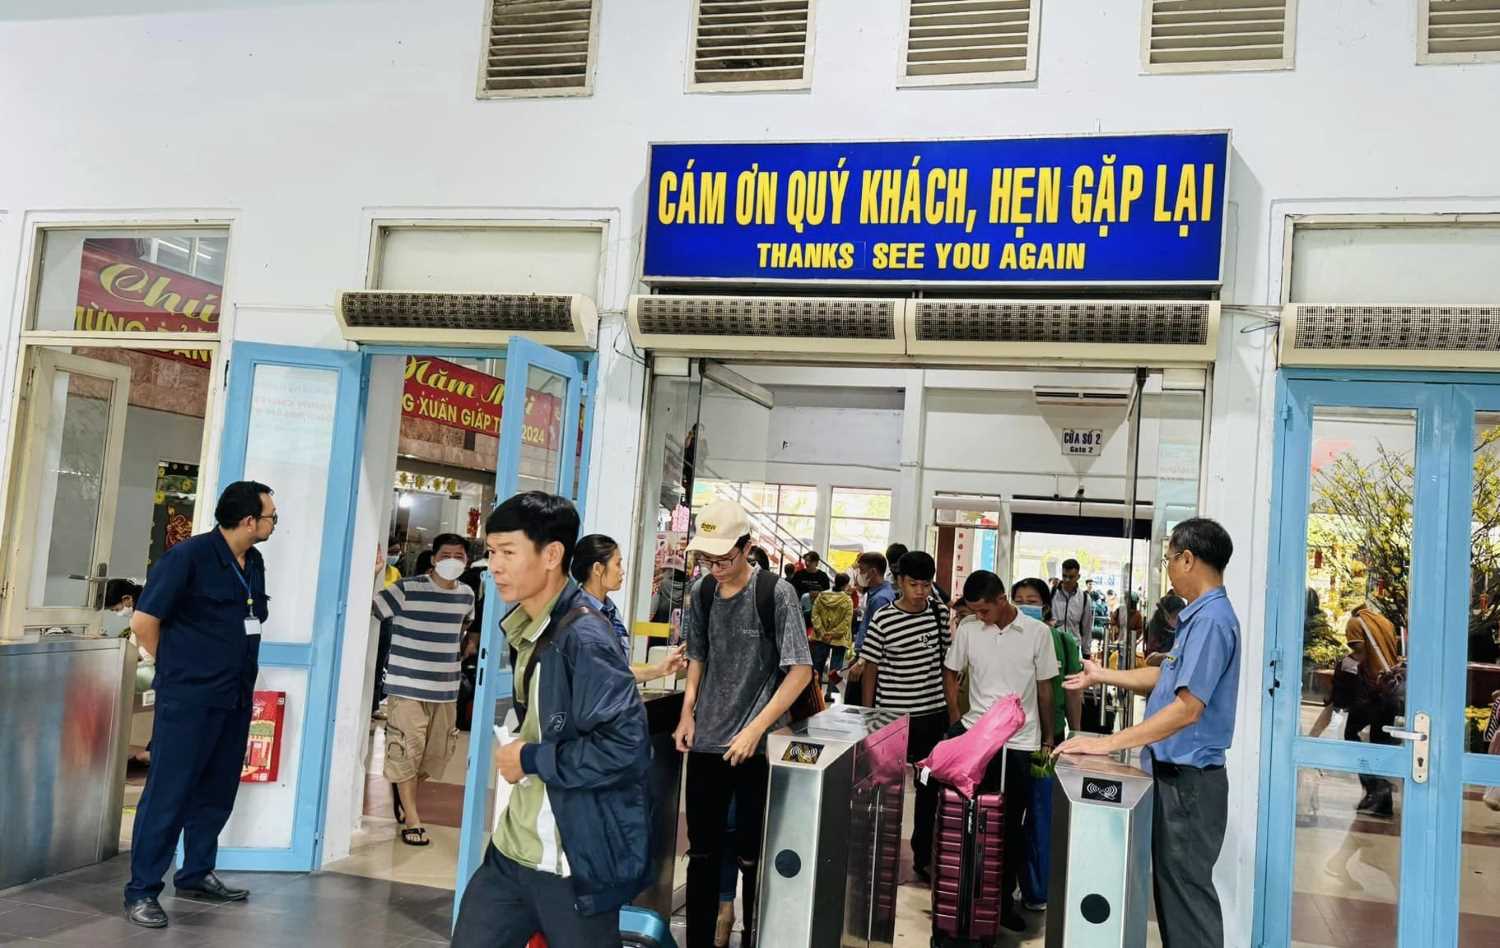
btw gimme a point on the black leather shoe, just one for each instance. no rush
(1013, 921)
(146, 913)
(214, 888)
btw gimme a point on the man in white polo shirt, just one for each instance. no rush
(1004, 653)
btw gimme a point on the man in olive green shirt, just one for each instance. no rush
(574, 842)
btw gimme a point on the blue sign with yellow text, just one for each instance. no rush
(1084, 209)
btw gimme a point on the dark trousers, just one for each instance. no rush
(382, 659)
(826, 659)
(1010, 771)
(1188, 813)
(1369, 714)
(711, 784)
(196, 756)
(506, 903)
(926, 730)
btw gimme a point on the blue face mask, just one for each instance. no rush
(1034, 611)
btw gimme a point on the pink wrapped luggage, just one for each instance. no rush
(968, 851)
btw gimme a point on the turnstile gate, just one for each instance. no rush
(1100, 890)
(833, 830)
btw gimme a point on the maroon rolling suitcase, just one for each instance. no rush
(968, 850)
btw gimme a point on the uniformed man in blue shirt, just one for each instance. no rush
(200, 615)
(1188, 727)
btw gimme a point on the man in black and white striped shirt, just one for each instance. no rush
(903, 654)
(428, 615)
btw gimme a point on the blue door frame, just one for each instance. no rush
(320, 655)
(495, 682)
(1429, 876)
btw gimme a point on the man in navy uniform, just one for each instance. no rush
(200, 615)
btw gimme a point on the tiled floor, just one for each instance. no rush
(84, 908)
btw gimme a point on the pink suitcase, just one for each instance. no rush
(968, 850)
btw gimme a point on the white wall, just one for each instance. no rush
(296, 119)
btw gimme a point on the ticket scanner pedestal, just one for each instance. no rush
(1100, 890)
(832, 848)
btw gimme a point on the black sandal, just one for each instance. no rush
(415, 836)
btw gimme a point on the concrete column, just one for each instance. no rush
(908, 503)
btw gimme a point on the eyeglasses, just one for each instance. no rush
(274, 518)
(1167, 560)
(723, 562)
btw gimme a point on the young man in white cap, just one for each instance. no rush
(748, 660)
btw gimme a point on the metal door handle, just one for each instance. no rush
(1417, 737)
(1401, 735)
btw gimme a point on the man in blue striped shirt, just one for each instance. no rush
(428, 615)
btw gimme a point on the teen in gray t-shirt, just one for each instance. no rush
(741, 668)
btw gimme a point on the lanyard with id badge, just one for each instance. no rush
(252, 623)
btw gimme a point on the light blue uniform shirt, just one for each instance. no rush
(875, 600)
(1205, 660)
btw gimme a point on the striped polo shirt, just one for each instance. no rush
(908, 650)
(427, 629)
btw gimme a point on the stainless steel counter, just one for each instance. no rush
(64, 732)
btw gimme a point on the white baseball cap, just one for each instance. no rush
(720, 526)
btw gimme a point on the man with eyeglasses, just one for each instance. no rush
(743, 676)
(200, 615)
(1189, 724)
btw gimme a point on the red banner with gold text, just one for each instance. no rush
(120, 292)
(460, 397)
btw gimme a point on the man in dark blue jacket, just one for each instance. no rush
(574, 842)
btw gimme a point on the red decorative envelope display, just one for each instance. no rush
(263, 751)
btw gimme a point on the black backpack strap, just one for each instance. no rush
(765, 606)
(548, 634)
(708, 591)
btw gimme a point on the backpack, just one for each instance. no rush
(810, 701)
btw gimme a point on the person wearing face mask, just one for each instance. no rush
(1030, 597)
(599, 570)
(428, 613)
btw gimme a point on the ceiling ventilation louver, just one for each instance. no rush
(970, 41)
(751, 44)
(395, 316)
(1458, 31)
(1217, 35)
(1400, 336)
(1158, 332)
(808, 327)
(539, 47)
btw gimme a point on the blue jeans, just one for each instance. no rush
(822, 652)
(1038, 867)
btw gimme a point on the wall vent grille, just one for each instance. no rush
(539, 47)
(1217, 35)
(747, 44)
(1064, 323)
(1458, 31)
(766, 317)
(970, 41)
(1409, 328)
(466, 318)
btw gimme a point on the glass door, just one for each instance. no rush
(540, 449)
(292, 423)
(74, 410)
(1469, 810)
(1360, 763)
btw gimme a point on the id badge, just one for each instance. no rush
(252, 627)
